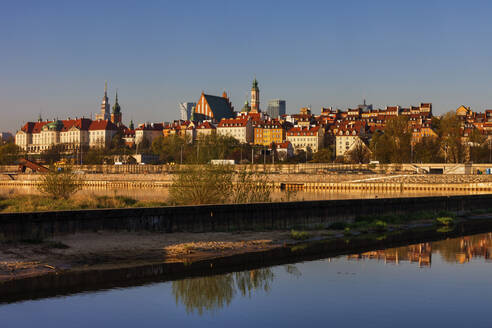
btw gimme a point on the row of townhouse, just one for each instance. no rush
(73, 134)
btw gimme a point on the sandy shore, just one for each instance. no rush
(105, 250)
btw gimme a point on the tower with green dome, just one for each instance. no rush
(116, 112)
(246, 108)
(255, 97)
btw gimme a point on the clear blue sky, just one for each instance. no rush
(56, 55)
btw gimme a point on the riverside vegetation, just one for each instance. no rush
(194, 185)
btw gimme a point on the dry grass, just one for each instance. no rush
(215, 246)
(36, 203)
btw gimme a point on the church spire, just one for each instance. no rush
(105, 113)
(116, 113)
(116, 106)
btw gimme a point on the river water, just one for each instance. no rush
(437, 284)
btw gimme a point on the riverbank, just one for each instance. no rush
(15, 203)
(98, 260)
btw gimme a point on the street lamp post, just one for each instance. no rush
(490, 151)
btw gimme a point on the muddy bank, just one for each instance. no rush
(48, 269)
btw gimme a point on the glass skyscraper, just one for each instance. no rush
(276, 108)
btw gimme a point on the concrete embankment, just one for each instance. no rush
(229, 217)
(425, 184)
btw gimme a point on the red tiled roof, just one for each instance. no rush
(102, 125)
(233, 122)
(311, 131)
(34, 127)
(206, 125)
(153, 126)
(81, 124)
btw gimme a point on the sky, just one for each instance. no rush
(56, 55)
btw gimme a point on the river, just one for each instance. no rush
(436, 284)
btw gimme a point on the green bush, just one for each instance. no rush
(60, 183)
(445, 221)
(299, 235)
(379, 226)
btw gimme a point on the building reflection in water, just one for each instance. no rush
(209, 294)
(456, 250)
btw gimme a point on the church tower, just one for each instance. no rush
(116, 113)
(255, 97)
(105, 108)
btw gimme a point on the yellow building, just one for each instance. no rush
(266, 133)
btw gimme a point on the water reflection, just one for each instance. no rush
(215, 292)
(457, 250)
(209, 294)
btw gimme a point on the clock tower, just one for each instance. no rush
(255, 97)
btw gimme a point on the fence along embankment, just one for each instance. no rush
(229, 217)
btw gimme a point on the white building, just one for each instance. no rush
(149, 131)
(238, 128)
(303, 138)
(73, 134)
(348, 136)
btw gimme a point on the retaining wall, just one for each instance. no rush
(449, 168)
(232, 217)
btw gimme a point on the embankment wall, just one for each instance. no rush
(230, 217)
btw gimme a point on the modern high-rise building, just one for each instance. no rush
(185, 109)
(276, 108)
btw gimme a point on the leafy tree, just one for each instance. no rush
(250, 187)
(324, 155)
(478, 147)
(60, 183)
(451, 141)
(9, 153)
(170, 148)
(428, 150)
(197, 184)
(215, 184)
(94, 156)
(118, 146)
(53, 154)
(359, 154)
(144, 147)
(398, 138)
(380, 147)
